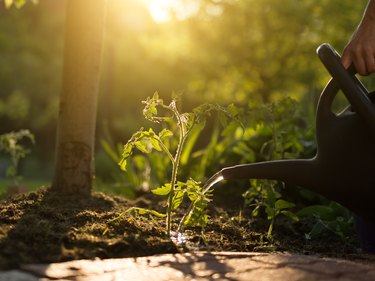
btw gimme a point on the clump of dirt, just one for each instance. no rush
(45, 227)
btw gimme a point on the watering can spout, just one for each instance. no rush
(296, 171)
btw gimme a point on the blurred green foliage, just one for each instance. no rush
(245, 52)
(328, 219)
(11, 145)
(17, 3)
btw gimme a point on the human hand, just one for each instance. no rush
(361, 48)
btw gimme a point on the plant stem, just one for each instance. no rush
(270, 228)
(15, 165)
(166, 150)
(187, 213)
(170, 197)
(175, 165)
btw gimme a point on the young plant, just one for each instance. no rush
(263, 194)
(147, 140)
(10, 144)
(328, 219)
(282, 139)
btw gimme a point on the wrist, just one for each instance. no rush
(369, 15)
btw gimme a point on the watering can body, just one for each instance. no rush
(343, 169)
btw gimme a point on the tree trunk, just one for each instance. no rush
(74, 168)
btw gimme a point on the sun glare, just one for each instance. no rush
(163, 10)
(160, 10)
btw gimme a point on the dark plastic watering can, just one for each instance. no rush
(343, 169)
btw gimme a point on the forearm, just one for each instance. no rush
(369, 14)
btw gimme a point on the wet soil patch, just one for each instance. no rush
(45, 227)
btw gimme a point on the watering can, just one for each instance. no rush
(343, 168)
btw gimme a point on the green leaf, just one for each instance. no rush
(192, 195)
(155, 143)
(255, 212)
(321, 211)
(144, 211)
(143, 146)
(123, 163)
(317, 230)
(193, 190)
(271, 194)
(290, 215)
(189, 144)
(152, 212)
(188, 120)
(177, 199)
(110, 151)
(165, 133)
(127, 150)
(198, 215)
(282, 204)
(150, 111)
(339, 210)
(156, 96)
(164, 190)
(271, 212)
(126, 153)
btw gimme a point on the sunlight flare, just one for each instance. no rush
(160, 10)
(165, 10)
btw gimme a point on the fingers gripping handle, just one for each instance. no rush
(352, 88)
(349, 84)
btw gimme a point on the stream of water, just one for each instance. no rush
(180, 238)
(218, 177)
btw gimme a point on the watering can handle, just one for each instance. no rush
(353, 89)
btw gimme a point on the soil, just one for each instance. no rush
(44, 227)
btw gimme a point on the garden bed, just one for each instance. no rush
(44, 227)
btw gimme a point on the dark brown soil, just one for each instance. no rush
(44, 227)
